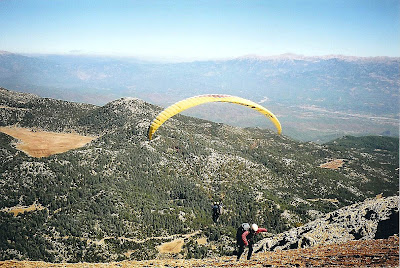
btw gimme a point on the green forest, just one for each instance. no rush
(133, 193)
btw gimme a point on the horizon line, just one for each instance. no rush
(177, 59)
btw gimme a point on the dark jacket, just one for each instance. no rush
(247, 236)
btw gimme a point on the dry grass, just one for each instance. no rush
(42, 143)
(21, 209)
(174, 246)
(202, 240)
(334, 164)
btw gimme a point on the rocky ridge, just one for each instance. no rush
(372, 219)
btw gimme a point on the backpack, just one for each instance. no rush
(243, 228)
(215, 209)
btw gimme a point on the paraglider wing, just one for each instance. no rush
(197, 100)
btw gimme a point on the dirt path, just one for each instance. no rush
(367, 253)
(42, 143)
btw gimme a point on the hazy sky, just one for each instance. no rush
(201, 29)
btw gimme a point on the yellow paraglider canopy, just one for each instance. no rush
(197, 100)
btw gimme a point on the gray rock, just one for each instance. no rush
(372, 219)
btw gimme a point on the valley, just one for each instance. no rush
(317, 98)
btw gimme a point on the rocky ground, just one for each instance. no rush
(375, 218)
(357, 253)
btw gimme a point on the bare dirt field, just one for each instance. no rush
(38, 143)
(360, 253)
(334, 164)
(174, 246)
(21, 209)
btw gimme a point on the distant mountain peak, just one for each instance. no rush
(134, 105)
(293, 56)
(129, 99)
(272, 57)
(3, 52)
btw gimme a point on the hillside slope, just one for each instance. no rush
(108, 200)
(367, 253)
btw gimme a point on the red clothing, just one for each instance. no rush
(244, 235)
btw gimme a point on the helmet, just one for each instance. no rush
(254, 227)
(245, 226)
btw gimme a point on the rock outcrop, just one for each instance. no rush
(375, 218)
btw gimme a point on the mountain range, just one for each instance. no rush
(317, 98)
(121, 196)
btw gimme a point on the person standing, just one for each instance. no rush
(217, 211)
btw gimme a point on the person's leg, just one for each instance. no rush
(240, 252)
(250, 251)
